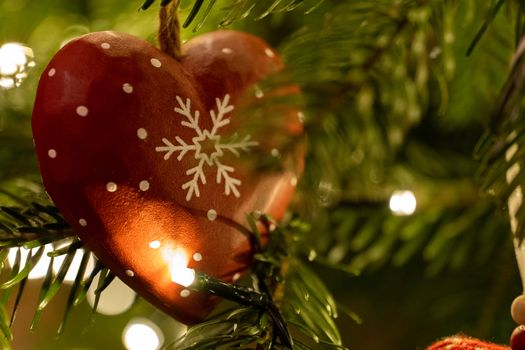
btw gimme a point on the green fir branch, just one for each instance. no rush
(306, 303)
(375, 238)
(501, 148)
(31, 226)
(490, 17)
(236, 10)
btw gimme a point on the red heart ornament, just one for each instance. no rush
(136, 150)
(461, 342)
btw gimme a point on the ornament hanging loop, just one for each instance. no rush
(169, 30)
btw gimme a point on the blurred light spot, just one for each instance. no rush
(312, 255)
(435, 52)
(142, 334)
(403, 203)
(326, 193)
(7, 83)
(197, 256)
(115, 299)
(258, 92)
(300, 116)
(15, 60)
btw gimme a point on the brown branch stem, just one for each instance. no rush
(169, 30)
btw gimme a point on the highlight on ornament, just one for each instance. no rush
(403, 203)
(15, 61)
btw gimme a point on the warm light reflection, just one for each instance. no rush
(180, 273)
(403, 203)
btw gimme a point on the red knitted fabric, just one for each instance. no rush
(464, 343)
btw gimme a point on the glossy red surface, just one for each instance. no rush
(460, 342)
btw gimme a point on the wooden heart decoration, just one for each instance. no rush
(144, 156)
(461, 342)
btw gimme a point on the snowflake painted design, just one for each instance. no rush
(203, 156)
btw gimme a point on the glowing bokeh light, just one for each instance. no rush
(142, 334)
(403, 203)
(117, 298)
(15, 60)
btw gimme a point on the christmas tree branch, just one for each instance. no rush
(302, 302)
(501, 149)
(32, 225)
(490, 17)
(236, 10)
(28, 229)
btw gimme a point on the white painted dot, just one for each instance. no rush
(144, 185)
(154, 244)
(82, 222)
(130, 273)
(52, 153)
(185, 293)
(155, 63)
(111, 187)
(212, 215)
(197, 256)
(52, 72)
(227, 51)
(128, 88)
(236, 277)
(82, 111)
(293, 181)
(142, 133)
(272, 227)
(300, 116)
(105, 46)
(275, 153)
(269, 52)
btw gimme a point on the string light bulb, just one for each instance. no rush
(15, 61)
(198, 281)
(180, 273)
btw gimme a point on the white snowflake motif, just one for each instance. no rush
(211, 158)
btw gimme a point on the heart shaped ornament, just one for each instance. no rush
(147, 159)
